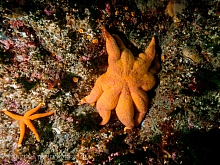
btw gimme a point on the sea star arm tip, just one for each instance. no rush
(127, 128)
(82, 101)
(151, 50)
(105, 116)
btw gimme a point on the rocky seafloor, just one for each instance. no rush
(53, 51)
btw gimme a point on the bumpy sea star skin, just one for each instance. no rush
(26, 120)
(123, 87)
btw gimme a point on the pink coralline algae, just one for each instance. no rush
(16, 23)
(7, 43)
(49, 10)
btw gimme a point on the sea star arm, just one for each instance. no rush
(36, 116)
(144, 60)
(14, 116)
(150, 51)
(22, 132)
(125, 109)
(147, 82)
(26, 120)
(117, 50)
(140, 100)
(30, 112)
(105, 114)
(95, 93)
(107, 102)
(32, 128)
(119, 42)
(112, 47)
(126, 62)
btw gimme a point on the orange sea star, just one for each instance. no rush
(123, 87)
(26, 119)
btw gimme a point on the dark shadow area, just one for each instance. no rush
(28, 85)
(6, 57)
(89, 122)
(202, 146)
(202, 82)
